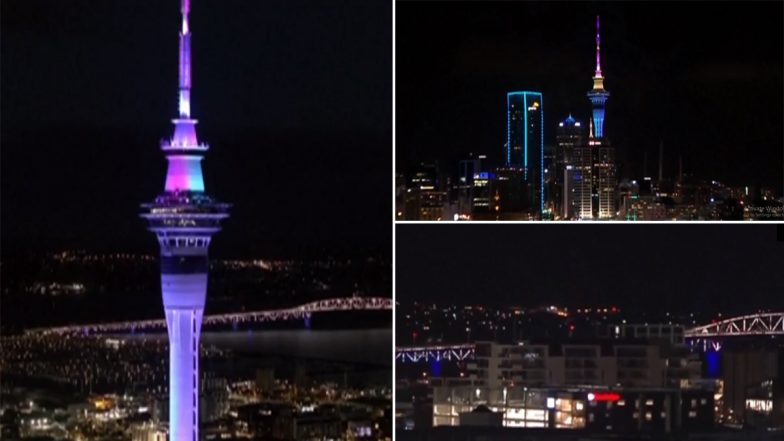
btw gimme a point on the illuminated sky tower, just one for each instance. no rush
(603, 154)
(598, 95)
(184, 219)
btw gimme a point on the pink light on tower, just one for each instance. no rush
(183, 150)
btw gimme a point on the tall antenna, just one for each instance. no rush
(598, 73)
(185, 62)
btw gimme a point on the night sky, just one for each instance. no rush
(656, 268)
(704, 77)
(294, 98)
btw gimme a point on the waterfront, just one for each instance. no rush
(85, 385)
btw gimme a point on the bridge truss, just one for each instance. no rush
(434, 353)
(711, 336)
(771, 323)
(301, 312)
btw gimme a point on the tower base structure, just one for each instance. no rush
(184, 223)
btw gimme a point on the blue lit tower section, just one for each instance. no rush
(184, 219)
(598, 95)
(525, 143)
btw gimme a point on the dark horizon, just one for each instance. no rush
(706, 78)
(656, 268)
(293, 101)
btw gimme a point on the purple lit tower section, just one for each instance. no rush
(184, 219)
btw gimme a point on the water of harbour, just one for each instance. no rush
(357, 356)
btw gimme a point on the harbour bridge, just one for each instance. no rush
(712, 335)
(435, 353)
(301, 312)
(708, 336)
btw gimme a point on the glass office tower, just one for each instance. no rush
(525, 144)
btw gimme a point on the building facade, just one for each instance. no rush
(594, 410)
(525, 144)
(568, 172)
(628, 364)
(424, 198)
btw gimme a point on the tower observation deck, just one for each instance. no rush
(184, 218)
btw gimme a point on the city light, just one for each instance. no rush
(607, 397)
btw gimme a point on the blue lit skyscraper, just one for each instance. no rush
(184, 218)
(525, 143)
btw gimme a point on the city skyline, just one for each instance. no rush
(665, 85)
(609, 332)
(383, 220)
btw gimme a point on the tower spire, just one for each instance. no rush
(183, 150)
(185, 62)
(598, 73)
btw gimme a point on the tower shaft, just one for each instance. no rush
(184, 288)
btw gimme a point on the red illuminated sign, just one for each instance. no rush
(604, 397)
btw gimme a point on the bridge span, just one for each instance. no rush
(458, 352)
(769, 323)
(301, 312)
(762, 324)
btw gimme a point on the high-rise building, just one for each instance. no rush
(525, 144)
(604, 175)
(605, 180)
(424, 198)
(580, 179)
(184, 218)
(570, 135)
(470, 170)
(482, 193)
(510, 195)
